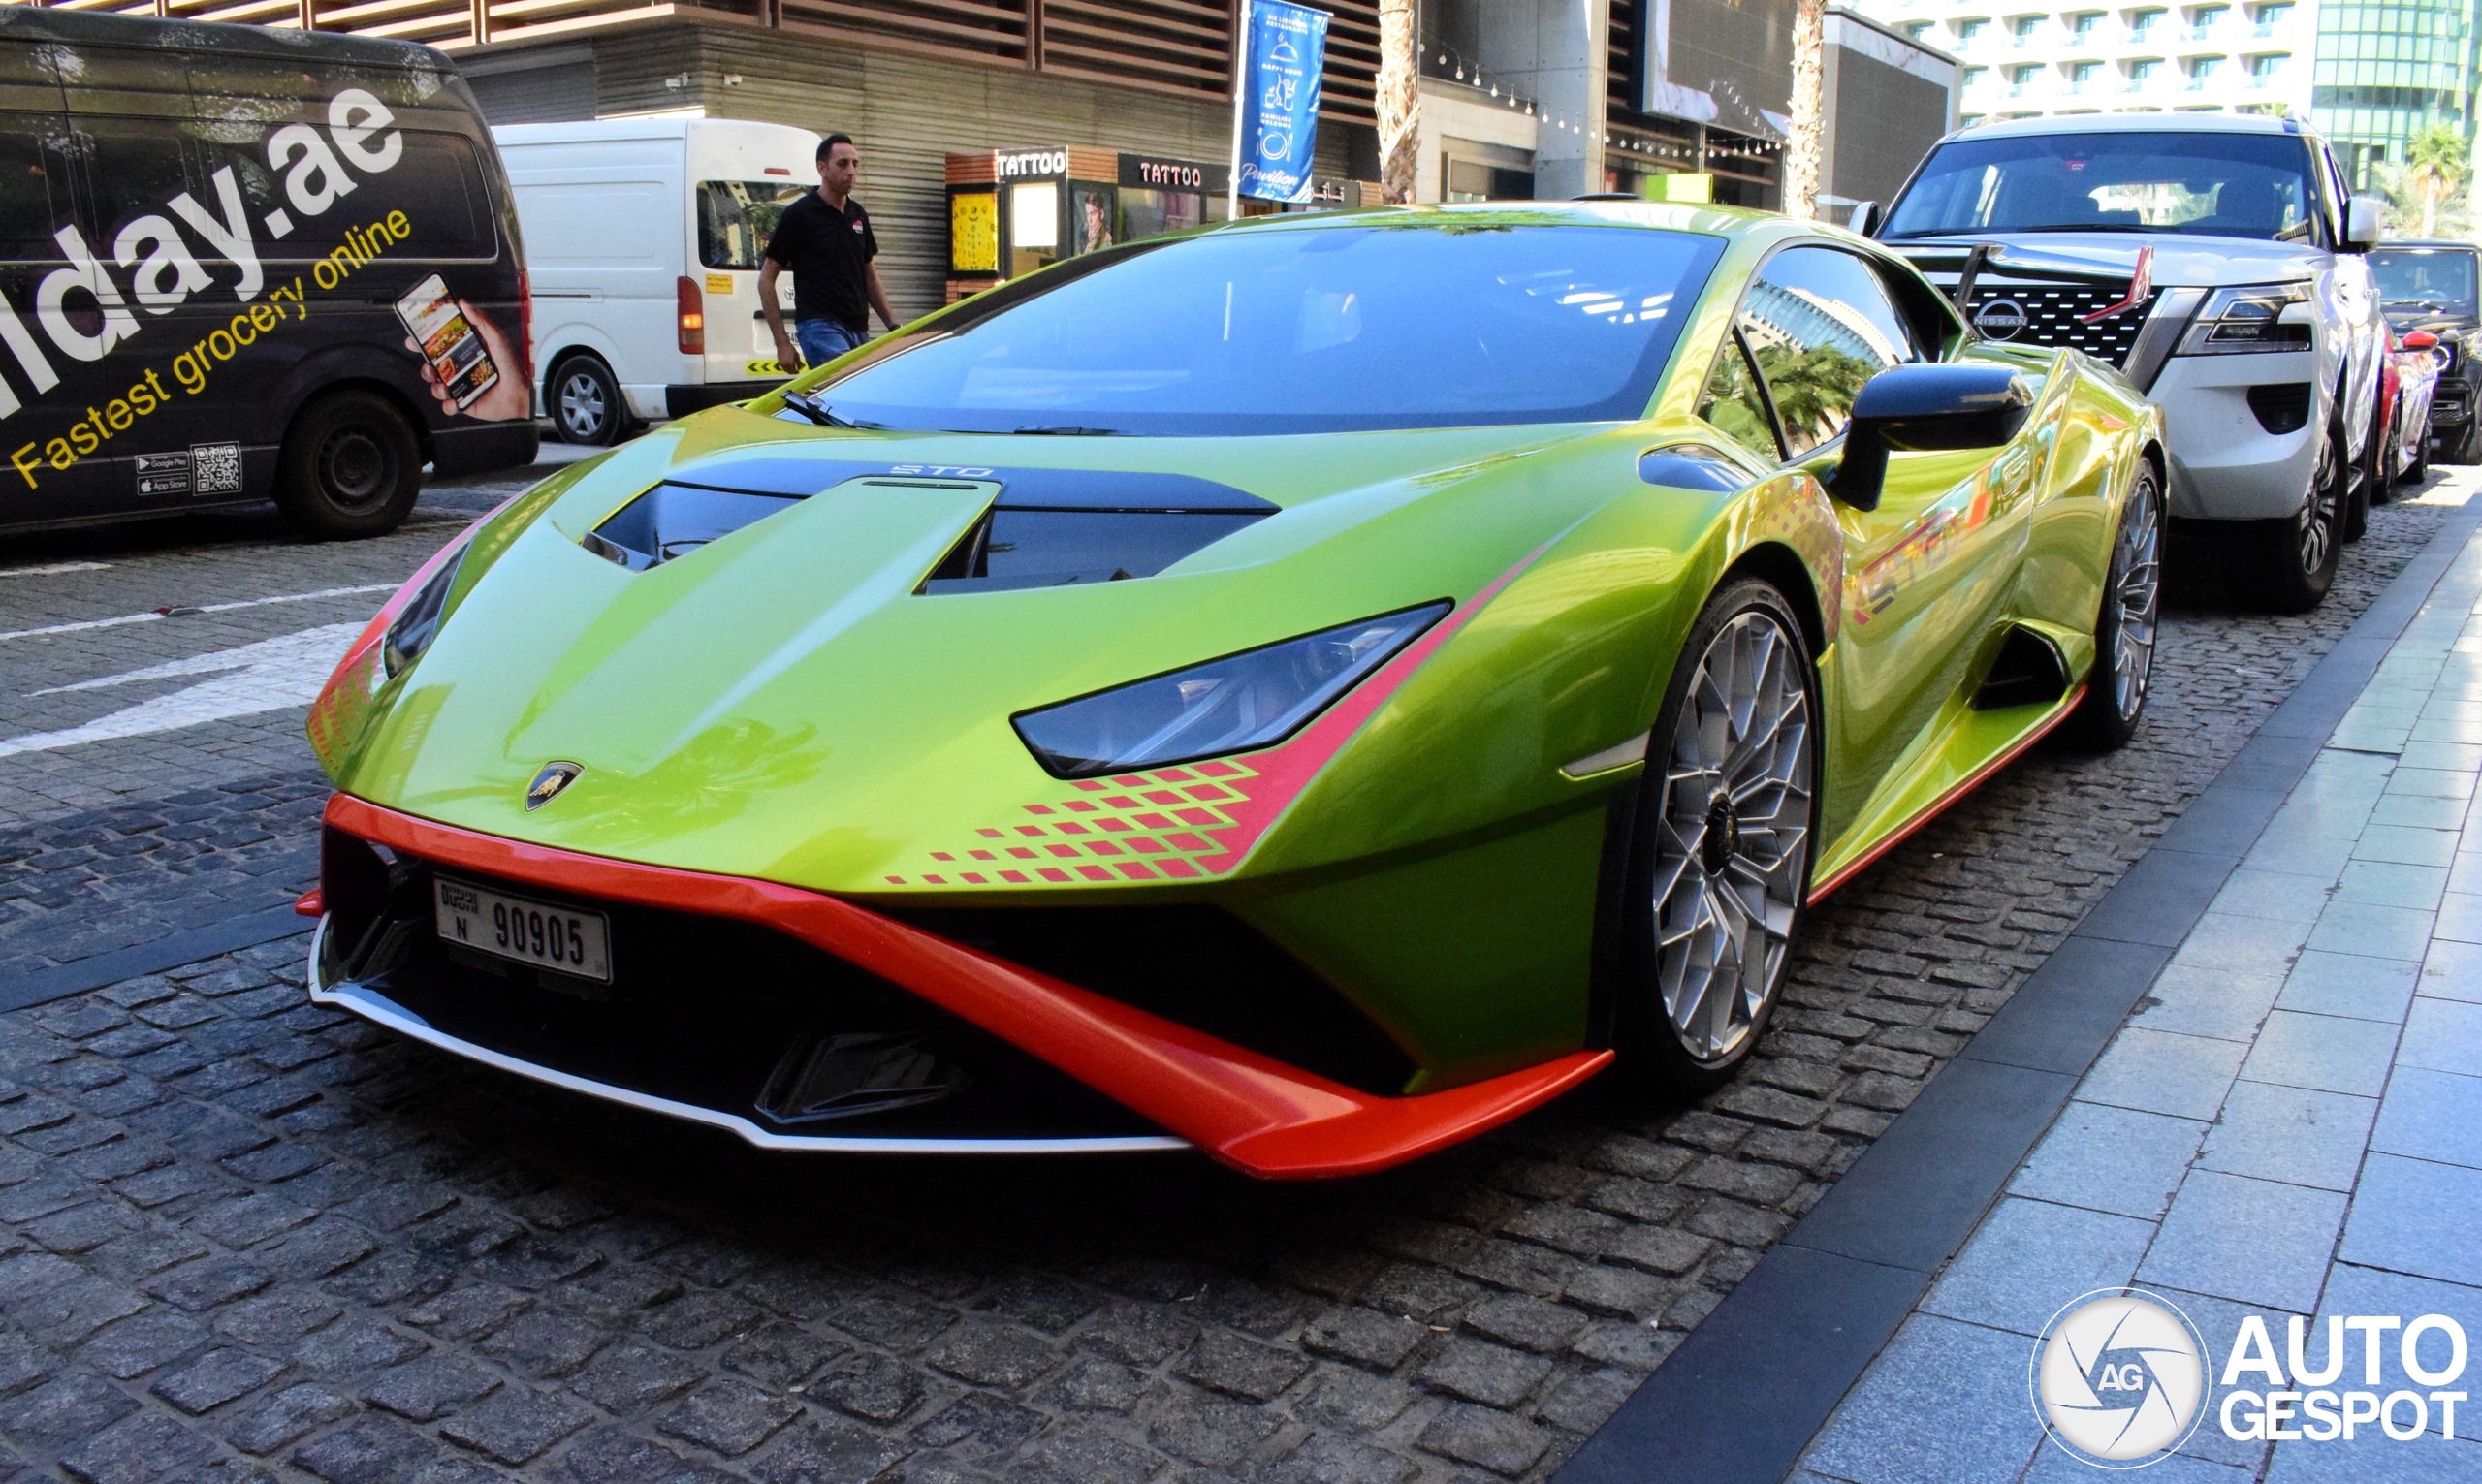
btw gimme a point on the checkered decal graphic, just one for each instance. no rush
(1159, 826)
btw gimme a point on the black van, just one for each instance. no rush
(240, 263)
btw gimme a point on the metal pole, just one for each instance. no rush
(1240, 82)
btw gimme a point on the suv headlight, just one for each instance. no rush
(2248, 319)
(1249, 700)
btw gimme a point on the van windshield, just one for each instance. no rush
(737, 217)
(1438, 323)
(2201, 183)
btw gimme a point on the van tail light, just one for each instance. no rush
(693, 318)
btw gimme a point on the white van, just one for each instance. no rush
(642, 249)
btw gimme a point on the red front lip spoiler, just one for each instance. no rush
(1255, 1114)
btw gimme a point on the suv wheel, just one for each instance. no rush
(2368, 479)
(585, 402)
(351, 468)
(2286, 566)
(2465, 445)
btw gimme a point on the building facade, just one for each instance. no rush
(2387, 70)
(2023, 61)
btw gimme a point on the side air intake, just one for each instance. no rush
(2028, 672)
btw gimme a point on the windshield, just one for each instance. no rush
(2207, 185)
(737, 217)
(1435, 323)
(2425, 283)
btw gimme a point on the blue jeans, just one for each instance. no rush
(823, 341)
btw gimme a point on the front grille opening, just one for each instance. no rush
(1196, 965)
(2281, 408)
(1011, 549)
(2052, 314)
(717, 1014)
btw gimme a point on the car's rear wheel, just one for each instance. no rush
(1720, 856)
(2287, 565)
(351, 468)
(585, 402)
(2465, 445)
(2115, 688)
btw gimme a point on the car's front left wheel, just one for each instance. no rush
(1720, 854)
(2124, 624)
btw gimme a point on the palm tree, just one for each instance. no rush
(2436, 161)
(1400, 102)
(1806, 131)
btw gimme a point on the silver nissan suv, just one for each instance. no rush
(2218, 261)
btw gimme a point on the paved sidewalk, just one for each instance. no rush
(2291, 1125)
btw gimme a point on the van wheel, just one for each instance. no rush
(585, 402)
(351, 468)
(2286, 565)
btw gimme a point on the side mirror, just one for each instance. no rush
(1866, 218)
(1919, 408)
(2362, 230)
(2421, 339)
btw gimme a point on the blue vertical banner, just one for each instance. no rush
(1279, 126)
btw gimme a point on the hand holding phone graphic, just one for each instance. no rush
(462, 354)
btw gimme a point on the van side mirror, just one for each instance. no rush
(2362, 227)
(1919, 408)
(1866, 218)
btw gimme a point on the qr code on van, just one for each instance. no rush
(215, 468)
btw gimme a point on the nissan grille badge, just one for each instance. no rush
(2000, 319)
(548, 784)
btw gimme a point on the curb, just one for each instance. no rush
(189, 946)
(1740, 1399)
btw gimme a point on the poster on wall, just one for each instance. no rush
(1279, 116)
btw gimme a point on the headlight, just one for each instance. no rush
(417, 623)
(1253, 699)
(2248, 319)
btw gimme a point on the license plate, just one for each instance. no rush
(565, 939)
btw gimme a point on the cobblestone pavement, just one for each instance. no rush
(243, 1235)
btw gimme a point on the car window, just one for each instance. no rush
(2205, 183)
(1733, 403)
(2416, 284)
(737, 217)
(1820, 324)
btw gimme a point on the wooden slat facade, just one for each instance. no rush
(1179, 46)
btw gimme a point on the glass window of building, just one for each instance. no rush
(2084, 26)
(2206, 16)
(2083, 73)
(1974, 75)
(2141, 22)
(1917, 29)
(2205, 67)
(2269, 66)
(1968, 30)
(2025, 26)
(2020, 75)
(2271, 16)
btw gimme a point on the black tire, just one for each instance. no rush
(2126, 623)
(2285, 566)
(351, 468)
(2363, 484)
(1690, 835)
(583, 398)
(2419, 470)
(2465, 445)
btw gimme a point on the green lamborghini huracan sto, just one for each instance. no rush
(1309, 690)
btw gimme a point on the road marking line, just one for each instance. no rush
(267, 675)
(58, 566)
(211, 607)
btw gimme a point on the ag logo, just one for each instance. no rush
(548, 784)
(2119, 1378)
(2002, 319)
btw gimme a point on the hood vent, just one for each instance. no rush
(1047, 528)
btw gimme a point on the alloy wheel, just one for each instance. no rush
(2140, 594)
(1734, 845)
(582, 409)
(2316, 523)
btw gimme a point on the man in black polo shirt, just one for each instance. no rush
(825, 239)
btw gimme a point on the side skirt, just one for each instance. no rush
(2032, 732)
